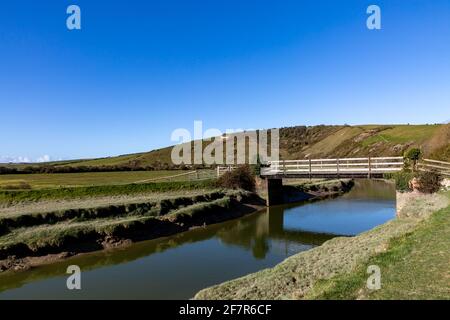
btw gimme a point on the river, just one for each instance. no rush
(178, 266)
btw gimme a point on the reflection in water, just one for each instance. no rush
(180, 265)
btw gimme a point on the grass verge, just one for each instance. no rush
(415, 266)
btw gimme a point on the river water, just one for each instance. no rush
(177, 267)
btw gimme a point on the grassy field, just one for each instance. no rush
(403, 134)
(8, 198)
(110, 161)
(58, 180)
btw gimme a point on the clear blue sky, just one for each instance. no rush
(137, 70)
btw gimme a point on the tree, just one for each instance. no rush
(412, 156)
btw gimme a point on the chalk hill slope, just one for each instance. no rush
(323, 141)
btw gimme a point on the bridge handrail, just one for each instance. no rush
(344, 165)
(441, 167)
(437, 161)
(334, 166)
(336, 159)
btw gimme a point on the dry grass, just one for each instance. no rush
(419, 205)
(66, 204)
(327, 145)
(54, 229)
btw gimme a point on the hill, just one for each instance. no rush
(321, 141)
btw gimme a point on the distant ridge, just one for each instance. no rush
(320, 141)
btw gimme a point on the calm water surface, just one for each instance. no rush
(177, 267)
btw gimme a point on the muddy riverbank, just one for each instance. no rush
(30, 240)
(36, 239)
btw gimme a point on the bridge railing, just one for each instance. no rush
(334, 166)
(441, 167)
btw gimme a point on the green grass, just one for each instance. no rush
(415, 266)
(108, 161)
(11, 197)
(57, 180)
(403, 134)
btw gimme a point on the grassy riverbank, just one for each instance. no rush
(337, 268)
(415, 266)
(24, 237)
(37, 223)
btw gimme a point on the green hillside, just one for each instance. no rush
(318, 142)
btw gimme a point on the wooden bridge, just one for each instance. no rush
(333, 168)
(371, 167)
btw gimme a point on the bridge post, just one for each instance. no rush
(337, 167)
(310, 170)
(274, 189)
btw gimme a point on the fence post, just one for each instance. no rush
(284, 167)
(218, 171)
(309, 169)
(370, 169)
(337, 167)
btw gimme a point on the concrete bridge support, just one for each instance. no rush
(274, 189)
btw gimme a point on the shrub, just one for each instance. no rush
(402, 179)
(239, 178)
(429, 182)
